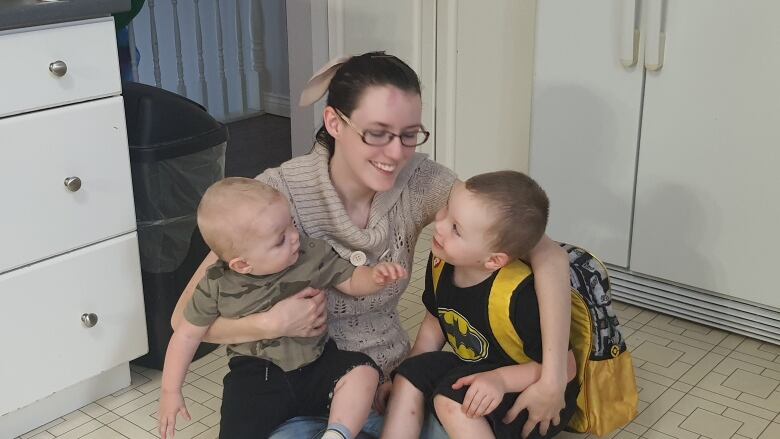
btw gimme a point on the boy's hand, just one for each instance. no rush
(171, 404)
(486, 391)
(388, 272)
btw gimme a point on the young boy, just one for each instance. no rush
(263, 259)
(490, 221)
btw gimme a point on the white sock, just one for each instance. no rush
(336, 431)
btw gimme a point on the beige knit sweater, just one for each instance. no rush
(368, 324)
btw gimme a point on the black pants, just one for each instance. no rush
(434, 373)
(258, 396)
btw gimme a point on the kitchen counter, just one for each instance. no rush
(26, 13)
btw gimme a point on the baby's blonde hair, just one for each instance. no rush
(228, 210)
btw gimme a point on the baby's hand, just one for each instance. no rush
(171, 404)
(387, 272)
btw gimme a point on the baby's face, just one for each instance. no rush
(461, 230)
(275, 241)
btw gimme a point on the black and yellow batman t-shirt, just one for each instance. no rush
(463, 316)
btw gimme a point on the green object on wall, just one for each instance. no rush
(124, 18)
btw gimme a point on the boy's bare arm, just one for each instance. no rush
(179, 355)
(430, 337)
(177, 360)
(369, 280)
(519, 376)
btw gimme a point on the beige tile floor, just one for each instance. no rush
(695, 383)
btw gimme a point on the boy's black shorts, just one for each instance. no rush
(434, 373)
(258, 396)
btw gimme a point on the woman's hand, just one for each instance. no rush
(486, 390)
(382, 396)
(301, 315)
(544, 401)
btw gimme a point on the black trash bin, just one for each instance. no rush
(177, 150)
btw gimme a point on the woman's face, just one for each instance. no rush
(380, 108)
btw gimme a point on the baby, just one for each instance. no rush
(263, 260)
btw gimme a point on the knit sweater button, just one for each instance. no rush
(357, 258)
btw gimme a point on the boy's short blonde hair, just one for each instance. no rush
(228, 210)
(521, 209)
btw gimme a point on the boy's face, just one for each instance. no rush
(461, 230)
(274, 241)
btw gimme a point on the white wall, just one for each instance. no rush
(484, 84)
(307, 25)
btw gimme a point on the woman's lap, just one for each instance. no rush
(305, 427)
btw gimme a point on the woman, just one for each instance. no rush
(365, 191)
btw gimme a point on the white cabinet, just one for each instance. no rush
(50, 66)
(84, 145)
(71, 319)
(667, 169)
(70, 277)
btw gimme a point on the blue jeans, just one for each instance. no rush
(307, 427)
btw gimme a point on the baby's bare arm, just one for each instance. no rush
(184, 342)
(370, 280)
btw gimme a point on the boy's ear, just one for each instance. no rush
(239, 266)
(332, 121)
(496, 261)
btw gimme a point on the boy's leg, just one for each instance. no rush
(405, 411)
(254, 402)
(451, 398)
(339, 383)
(352, 399)
(413, 386)
(456, 423)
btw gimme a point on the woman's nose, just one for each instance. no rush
(395, 149)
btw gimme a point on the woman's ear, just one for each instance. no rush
(240, 266)
(496, 261)
(332, 121)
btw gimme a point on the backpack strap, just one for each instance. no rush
(437, 266)
(504, 286)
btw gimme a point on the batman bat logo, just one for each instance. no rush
(468, 343)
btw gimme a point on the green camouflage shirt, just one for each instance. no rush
(223, 292)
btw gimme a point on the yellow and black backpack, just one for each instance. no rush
(608, 396)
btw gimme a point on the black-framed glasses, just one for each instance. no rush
(380, 137)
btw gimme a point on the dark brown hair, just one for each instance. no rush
(521, 209)
(359, 73)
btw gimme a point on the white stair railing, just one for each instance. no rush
(202, 50)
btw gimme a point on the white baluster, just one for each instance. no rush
(155, 48)
(133, 56)
(258, 49)
(221, 57)
(181, 88)
(201, 64)
(240, 50)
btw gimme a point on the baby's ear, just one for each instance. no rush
(496, 261)
(239, 266)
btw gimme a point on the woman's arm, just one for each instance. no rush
(544, 399)
(302, 315)
(550, 265)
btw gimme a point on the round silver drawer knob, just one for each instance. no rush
(58, 68)
(89, 319)
(73, 184)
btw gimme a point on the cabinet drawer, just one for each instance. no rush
(41, 217)
(46, 345)
(87, 51)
